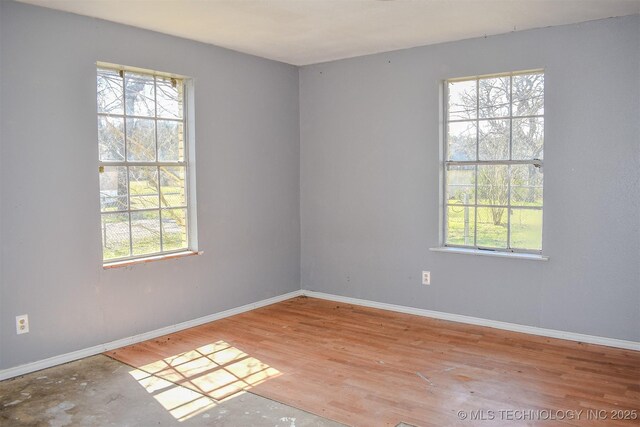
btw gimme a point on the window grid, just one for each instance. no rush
(538, 163)
(183, 147)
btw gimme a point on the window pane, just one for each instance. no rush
(145, 232)
(140, 123)
(139, 95)
(493, 140)
(174, 229)
(169, 98)
(528, 138)
(461, 139)
(526, 229)
(143, 187)
(461, 184)
(111, 138)
(495, 120)
(141, 140)
(526, 185)
(115, 235)
(528, 95)
(494, 97)
(460, 225)
(462, 100)
(493, 185)
(170, 141)
(113, 189)
(172, 186)
(492, 228)
(109, 92)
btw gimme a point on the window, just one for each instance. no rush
(143, 164)
(493, 154)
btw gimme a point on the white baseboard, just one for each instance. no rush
(101, 348)
(551, 333)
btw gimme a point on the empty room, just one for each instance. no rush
(319, 213)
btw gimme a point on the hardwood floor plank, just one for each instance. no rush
(368, 367)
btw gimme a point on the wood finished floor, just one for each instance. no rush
(369, 367)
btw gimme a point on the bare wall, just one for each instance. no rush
(1, 227)
(370, 179)
(247, 148)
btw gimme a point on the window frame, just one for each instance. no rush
(188, 163)
(538, 163)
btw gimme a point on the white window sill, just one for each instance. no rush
(130, 262)
(516, 255)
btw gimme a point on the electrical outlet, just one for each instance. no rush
(426, 277)
(22, 324)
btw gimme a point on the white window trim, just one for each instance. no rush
(189, 163)
(444, 247)
(491, 253)
(151, 258)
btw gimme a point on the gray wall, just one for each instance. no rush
(1, 197)
(370, 179)
(247, 144)
(364, 178)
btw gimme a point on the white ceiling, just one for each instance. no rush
(302, 32)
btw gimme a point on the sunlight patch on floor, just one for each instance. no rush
(189, 383)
